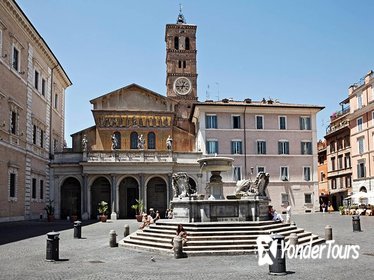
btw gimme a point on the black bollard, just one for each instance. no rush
(356, 223)
(52, 246)
(126, 231)
(279, 262)
(77, 229)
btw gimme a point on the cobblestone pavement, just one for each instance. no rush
(92, 258)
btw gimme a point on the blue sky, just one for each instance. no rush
(305, 52)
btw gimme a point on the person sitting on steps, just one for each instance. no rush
(182, 233)
(146, 221)
(273, 215)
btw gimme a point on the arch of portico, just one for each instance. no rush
(156, 193)
(99, 190)
(71, 183)
(120, 191)
(127, 192)
(70, 197)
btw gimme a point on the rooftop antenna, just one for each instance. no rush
(207, 95)
(217, 83)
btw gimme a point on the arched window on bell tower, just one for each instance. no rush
(187, 43)
(176, 43)
(151, 140)
(133, 140)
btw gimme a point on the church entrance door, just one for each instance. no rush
(128, 192)
(100, 190)
(157, 195)
(70, 198)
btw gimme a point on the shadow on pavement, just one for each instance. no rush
(15, 231)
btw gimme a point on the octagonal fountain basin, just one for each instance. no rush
(215, 163)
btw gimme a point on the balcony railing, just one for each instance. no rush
(333, 128)
(127, 156)
(340, 113)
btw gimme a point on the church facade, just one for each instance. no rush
(140, 138)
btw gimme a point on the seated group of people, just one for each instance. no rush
(149, 219)
(361, 210)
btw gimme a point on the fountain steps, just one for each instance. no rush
(218, 235)
(219, 238)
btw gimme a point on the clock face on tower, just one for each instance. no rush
(182, 86)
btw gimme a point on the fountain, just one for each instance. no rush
(216, 225)
(247, 204)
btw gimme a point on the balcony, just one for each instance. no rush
(339, 172)
(336, 127)
(340, 113)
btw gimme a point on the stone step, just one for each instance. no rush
(287, 231)
(215, 238)
(137, 246)
(299, 235)
(220, 231)
(219, 247)
(222, 234)
(152, 238)
(219, 226)
(222, 253)
(148, 243)
(171, 222)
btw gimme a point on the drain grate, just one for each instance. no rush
(369, 254)
(95, 261)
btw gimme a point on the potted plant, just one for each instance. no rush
(341, 210)
(50, 210)
(138, 207)
(103, 208)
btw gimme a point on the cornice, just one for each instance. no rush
(181, 26)
(21, 19)
(181, 51)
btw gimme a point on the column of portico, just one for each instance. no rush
(169, 192)
(142, 190)
(113, 216)
(84, 193)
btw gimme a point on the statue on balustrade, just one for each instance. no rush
(84, 143)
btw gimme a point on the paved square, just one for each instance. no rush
(92, 258)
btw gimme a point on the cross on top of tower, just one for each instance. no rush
(181, 18)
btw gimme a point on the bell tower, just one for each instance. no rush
(181, 73)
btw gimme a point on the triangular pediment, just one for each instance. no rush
(132, 98)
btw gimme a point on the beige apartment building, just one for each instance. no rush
(32, 96)
(339, 165)
(361, 100)
(277, 138)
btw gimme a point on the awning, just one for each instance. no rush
(359, 195)
(338, 191)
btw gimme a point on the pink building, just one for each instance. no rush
(361, 100)
(273, 137)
